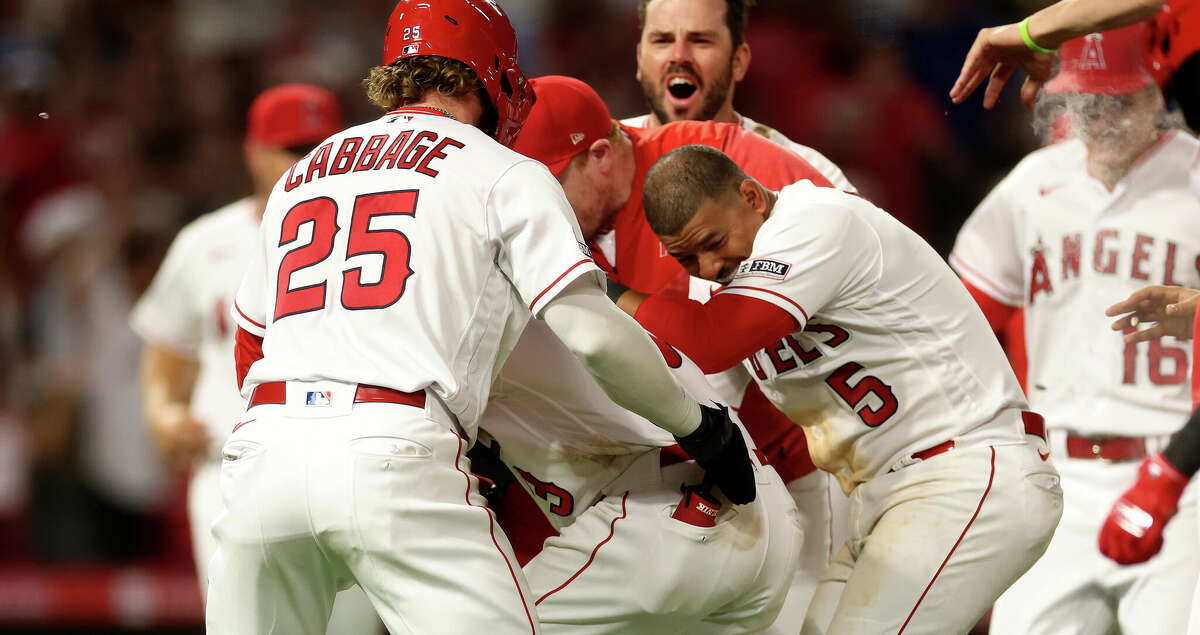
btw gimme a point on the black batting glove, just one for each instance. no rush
(717, 445)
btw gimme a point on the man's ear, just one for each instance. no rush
(601, 151)
(741, 62)
(637, 62)
(752, 193)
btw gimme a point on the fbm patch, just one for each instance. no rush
(763, 268)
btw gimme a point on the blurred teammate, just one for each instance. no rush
(856, 329)
(395, 268)
(1073, 226)
(188, 385)
(643, 548)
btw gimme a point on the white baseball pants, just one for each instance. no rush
(352, 611)
(626, 566)
(933, 544)
(1074, 589)
(379, 495)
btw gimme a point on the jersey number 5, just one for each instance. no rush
(322, 212)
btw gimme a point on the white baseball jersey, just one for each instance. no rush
(892, 355)
(413, 260)
(187, 307)
(823, 165)
(564, 437)
(1054, 240)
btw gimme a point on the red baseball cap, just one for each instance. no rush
(293, 115)
(1108, 63)
(566, 118)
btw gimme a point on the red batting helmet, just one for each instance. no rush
(1108, 63)
(474, 32)
(1174, 36)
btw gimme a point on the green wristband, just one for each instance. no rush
(1033, 46)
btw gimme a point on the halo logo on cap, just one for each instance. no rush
(1093, 53)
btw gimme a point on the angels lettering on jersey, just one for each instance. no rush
(1055, 265)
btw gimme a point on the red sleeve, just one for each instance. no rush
(767, 162)
(997, 313)
(718, 334)
(1008, 322)
(248, 349)
(780, 439)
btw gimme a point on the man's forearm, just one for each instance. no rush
(166, 380)
(1069, 19)
(622, 359)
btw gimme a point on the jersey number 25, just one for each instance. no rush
(322, 212)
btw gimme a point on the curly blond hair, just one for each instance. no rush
(407, 80)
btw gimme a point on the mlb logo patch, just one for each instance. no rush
(318, 398)
(409, 49)
(763, 268)
(584, 249)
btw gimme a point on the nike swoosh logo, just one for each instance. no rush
(1046, 189)
(1044, 455)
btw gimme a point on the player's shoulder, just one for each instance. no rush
(1055, 161)
(637, 121)
(232, 219)
(766, 131)
(822, 209)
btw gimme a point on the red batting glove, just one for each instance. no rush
(1132, 533)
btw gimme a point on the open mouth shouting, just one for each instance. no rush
(682, 89)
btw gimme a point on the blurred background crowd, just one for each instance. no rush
(121, 120)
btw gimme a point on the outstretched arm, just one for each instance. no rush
(998, 51)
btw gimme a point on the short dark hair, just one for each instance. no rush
(680, 181)
(737, 14)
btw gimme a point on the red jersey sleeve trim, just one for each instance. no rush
(557, 280)
(247, 317)
(769, 292)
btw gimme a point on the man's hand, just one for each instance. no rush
(996, 54)
(718, 446)
(1171, 309)
(180, 436)
(1132, 533)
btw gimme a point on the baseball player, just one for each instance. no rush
(857, 330)
(690, 56)
(1033, 42)
(188, 385)
(634, 555)
(602, 165)
(1074, 225)
(395, 268)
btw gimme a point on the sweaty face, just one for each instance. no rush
(685, 59)
(717, 239)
